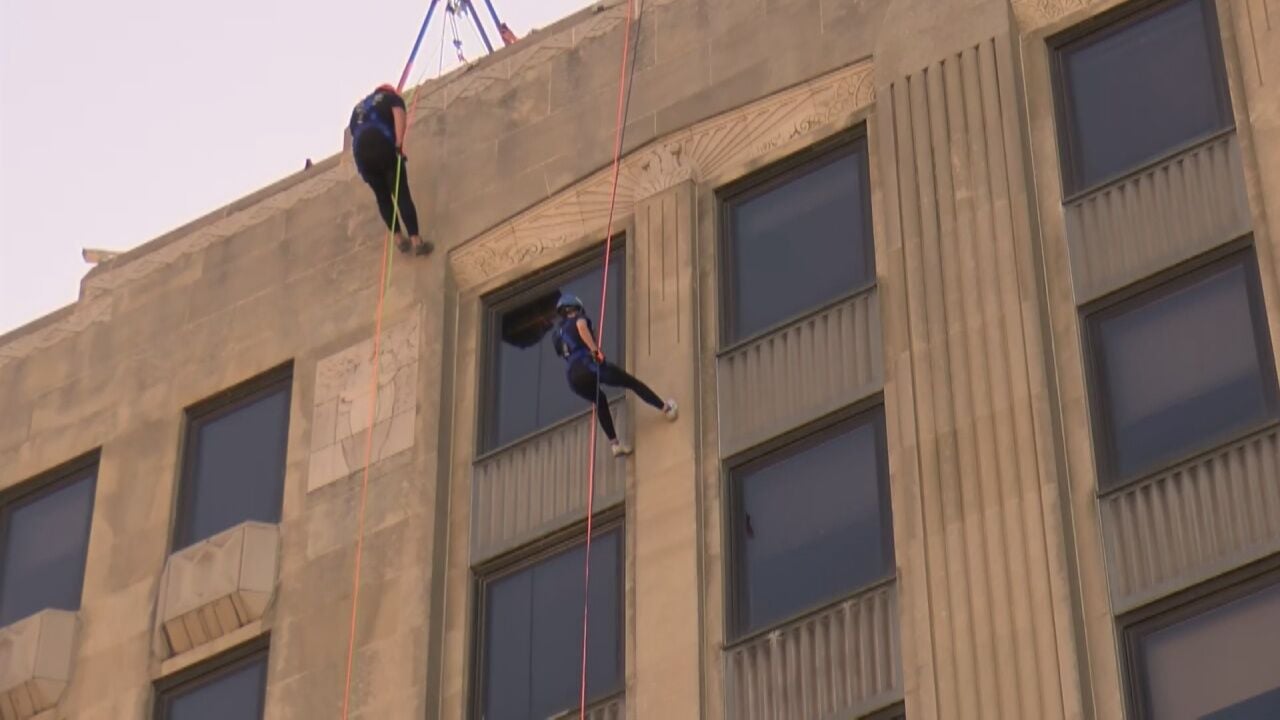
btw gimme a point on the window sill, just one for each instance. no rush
(808, 613)
(1217, 447)
(604, 705)
(201, 653)
(615, 400)
(1111, 181)
(790, 322)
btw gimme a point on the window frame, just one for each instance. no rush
(1100, 27)
(168, 689)
(1240, 252)
(195, 416)
(495, 304)
(892, 712)
(798, 440)
(524, 558)
(1170, 610)
(765, 180)
(47, 483)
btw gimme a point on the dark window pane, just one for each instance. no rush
(813, 524)
(45, 540)
(799, 244)
(1222, 664)
(1182, 369)
(530, 391)
(533, 633)
(236, 470)
(1142, 89)
(236, 693)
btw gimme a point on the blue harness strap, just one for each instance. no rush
(366, 118)
(569, 342)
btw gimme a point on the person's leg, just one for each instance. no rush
(408, 213)
(371, 162)
(582, 379)
(611, 374)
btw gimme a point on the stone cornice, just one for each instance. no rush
(699, 151)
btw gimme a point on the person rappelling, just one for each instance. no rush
(377, 126)
(587, 368)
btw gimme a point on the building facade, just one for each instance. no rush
(967, 305)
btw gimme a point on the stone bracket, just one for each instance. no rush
(35, 662)
(217, 586)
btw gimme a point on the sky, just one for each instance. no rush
(122, 120)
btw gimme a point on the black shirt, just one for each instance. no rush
(379, 104)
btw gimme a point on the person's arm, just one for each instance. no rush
(397, 113)
(584, 332)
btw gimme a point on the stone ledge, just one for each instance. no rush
(217, 586)
(35, 663)
(211, 649)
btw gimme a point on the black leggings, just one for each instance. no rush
(377, 160)
(582, 378)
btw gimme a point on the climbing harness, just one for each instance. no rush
(570, 343)
(367, 118)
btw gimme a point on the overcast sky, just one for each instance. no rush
(122, 120)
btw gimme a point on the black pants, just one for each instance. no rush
(376, 159)
(582, 378)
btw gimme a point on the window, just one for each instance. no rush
(531, 643)
(811, 523)
(1213, 655)
(233, 686)
(44, 538)
(796, 238)
(1143, 87)
(233, 469)
(1180, 368)
(527, 390)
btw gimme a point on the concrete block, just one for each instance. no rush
(218, 585)
(35, 663)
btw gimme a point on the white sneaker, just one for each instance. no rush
(618, 449)
(672, 411)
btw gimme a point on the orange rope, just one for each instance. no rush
(604, 299)
(387, 258)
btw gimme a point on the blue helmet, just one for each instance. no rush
(568, 302)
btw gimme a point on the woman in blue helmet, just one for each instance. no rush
(575, 341)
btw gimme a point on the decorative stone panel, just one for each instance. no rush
(35, 662)
(218, 585)
(340, 417)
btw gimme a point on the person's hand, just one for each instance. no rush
(598, 355)
(403, 156)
